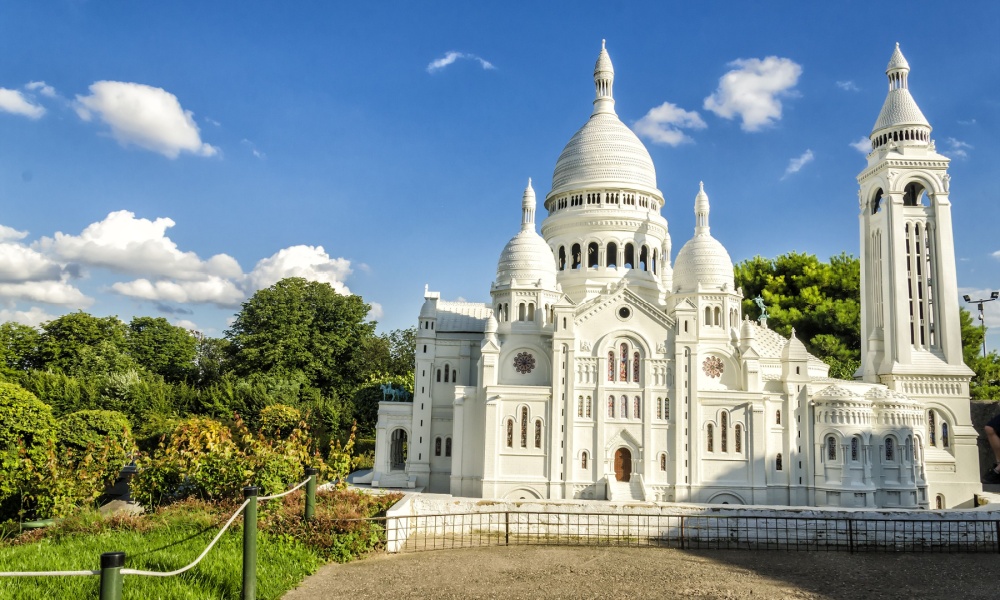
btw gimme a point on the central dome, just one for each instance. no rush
(604, 152)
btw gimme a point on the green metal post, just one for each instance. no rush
(111, 575)
(250, 544)
(311, 493)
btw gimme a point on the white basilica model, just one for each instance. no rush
(601, 371)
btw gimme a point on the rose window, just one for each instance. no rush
(712, 366)
(524, 362)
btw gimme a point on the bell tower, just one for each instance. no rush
(910, 327)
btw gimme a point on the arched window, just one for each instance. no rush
(945, 442)
(611, 365)
(447, 447)
(623, 370)
(562, 258)
(666, 409)
(738, 438)
(939, 502)
(531, 311)
(718, 317)
(890, 449)
(538, 433)
(659, 408)
(777, 417)
(611, 260)
(522, 311)
(439, 375)
(855, 445)
(524, 427)
(611, 407)
(635, 367)
(579, 408)
(588, 406)
(777, 462)
(624, 413)
(708, 315)
(629, 256)
(510, 433)
(710, 438)
(583, 460)
(437, 446)
(446, 369)
(831, 448)
(932, 428)
(663, 462)
(593, 259)
(636, 408)
(576, 256)
(454, 375)
(644, 258)
(725, 431)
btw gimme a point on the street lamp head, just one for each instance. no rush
(994, 295)
(967, 298)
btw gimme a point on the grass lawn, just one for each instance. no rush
(288, 549)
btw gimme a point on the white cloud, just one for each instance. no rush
(122, 242)
(19, 264)
(863, 145)
(212, 290)
(34, 316)
(189, 325)
(848, 86)
(663, 124)
(145, 116)
(9, 234)
(958, 148)
(968, 122)
(795, 165)
(752, 89)
(49, 292)
(14, 102)
(308, 262)
(376, 312)
(253, 149)
(42, 88)
(452, 56)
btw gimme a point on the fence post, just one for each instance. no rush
(111, 575)
(506, 526)
(998, 537)
(850, 535)
(682, 532)
(311, 493)
(250, 544)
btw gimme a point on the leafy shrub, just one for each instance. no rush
(95, 430)
(202, 458)
(27, 431)
(364, 445)
(278, 420)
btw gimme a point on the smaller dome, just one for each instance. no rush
(527, 259)
(703, 260)
(429, 309)
(747, 329)
(794, 349)
(897, 60)
(491, 324)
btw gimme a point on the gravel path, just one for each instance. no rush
(582, 572)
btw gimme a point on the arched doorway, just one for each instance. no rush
(397, 450)
(623, 464)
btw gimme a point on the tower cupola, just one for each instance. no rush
(900, 122)
(604, 81)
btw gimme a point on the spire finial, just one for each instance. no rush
(701, 210)
(604, 79)
(528, 207)
(604, 40)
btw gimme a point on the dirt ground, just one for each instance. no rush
(588, 572)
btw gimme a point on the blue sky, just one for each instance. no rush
(170, 158)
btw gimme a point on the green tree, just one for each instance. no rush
(79, 343)
(821, 301)
(985, 385)
(162, 348)
(303, 327)
(18, 347)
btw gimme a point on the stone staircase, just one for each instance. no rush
(625, 491)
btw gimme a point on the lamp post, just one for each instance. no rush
(982, 316)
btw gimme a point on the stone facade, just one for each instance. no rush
(603, 370)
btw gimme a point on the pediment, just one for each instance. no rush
(622, 295)
(622, 438)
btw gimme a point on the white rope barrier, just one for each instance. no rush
(47, 573)
(285, 493)
(159, 573)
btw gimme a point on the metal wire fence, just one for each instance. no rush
(702, 532)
